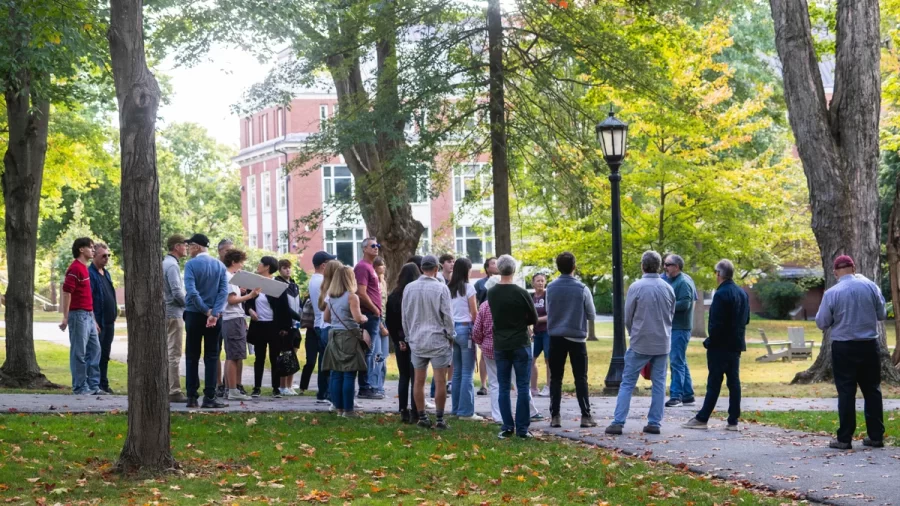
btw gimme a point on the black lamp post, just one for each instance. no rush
(612, 134)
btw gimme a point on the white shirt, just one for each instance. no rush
(263, 309)
(315, 288)
(232, 311)
(460, 305)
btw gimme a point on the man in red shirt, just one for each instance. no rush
(78, 316)
(370, 386)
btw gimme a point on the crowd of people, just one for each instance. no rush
(437, 318)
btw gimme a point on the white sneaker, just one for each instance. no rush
(290, 392)
(235, 395)
(545, 392)
(295, 386)
(429, 404)
(474, 418)
(356, 405)
(323, 401)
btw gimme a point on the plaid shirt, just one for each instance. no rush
(483, 334)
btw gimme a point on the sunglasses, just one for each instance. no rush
(669, 265)
(375, 245)
(105, 256)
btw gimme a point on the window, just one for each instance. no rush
(253, 241)
(279, 122)
(282, 192)
(467, 181)
(475, 245)
(345, 244)
(323, 112)
(282, 242)
(417, 188)
(250, 140)
(251, 195)
(334, 108)
(267, 240)
(424, 243)
(338, 182)
(265, 189)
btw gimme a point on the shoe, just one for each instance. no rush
(323, 401)
(404, 416)
(220, 391)
(424, 422)
(527, 435)
(192, 402)
(357, 405)
(290, 392)
(366, 394)
(441, 425)
(688, 401)
(213, 403)
(734, 427)
(837, 445)
(587, 421)
(255, 393)
(673, 403)
(554, 421)
(108, 390)
(481, 391)
(538, 418)
(99, 391)
(506, 434)
(449, 387)
(295, 386)
(873, 444)
(276, 393)
(693, 423)
(474, 418)
(545, 392)
(614, 429)
(352, 414)
(179, 397)
(235, 395)
(241, 389)
(651, 429)
(535, 392)
(429, 404)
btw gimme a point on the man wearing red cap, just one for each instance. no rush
(850, 312)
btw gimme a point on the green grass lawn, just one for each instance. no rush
(54, 362)
(825, 422)
(238, 459)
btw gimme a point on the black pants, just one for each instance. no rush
(266, 335)
(560, 348)
(727, 364)
(107, 331)
(857, 363)
(198, 335)
(312, 358)
(407, 375)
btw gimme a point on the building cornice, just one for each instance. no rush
(265, 150)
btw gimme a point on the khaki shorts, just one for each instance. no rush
(441, 361)
(234, 334)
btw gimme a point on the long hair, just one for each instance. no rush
(342, 282)
(408, 273)
(331, 268)
(460, 277)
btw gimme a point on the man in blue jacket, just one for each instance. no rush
(681, 389)
(206, 286)
(105, 308)
(728, 319)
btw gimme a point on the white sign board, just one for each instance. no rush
(250, 281)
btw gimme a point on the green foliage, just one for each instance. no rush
(62, 250)
(779, 297)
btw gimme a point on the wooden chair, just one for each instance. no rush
(800, 349)
(772, 356)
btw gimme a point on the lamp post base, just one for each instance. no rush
(614, 376)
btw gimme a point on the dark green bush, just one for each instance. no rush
(779, 297)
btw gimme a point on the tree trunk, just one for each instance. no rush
(26, 151)
(147, 446)
(497, 106)
(893, 254)
(838, 145)
(698, 328)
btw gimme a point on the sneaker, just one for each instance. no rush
(535, 392)
(651, 429)
(474, 418)
(587, 421)
(555, 422)
(693, 423)
(429, 404)
(99, 391)
(290, 392)
(235, 395)
(366, 394)
(352, 414)
(673, 403)
(323, 401)
(527, 435)
(295, 386)
(442, 425)
(192, 402)
(179, 397)
(449, 387)
(545, 392)
(688, 401)
(108, 390)
(276, 393)
(241, 389)
(506, 434)
(873, 443)
(537, 417)
(255, 393)
(213, 403)
(357, 405)
(731, 427)
(614, 429)
(424, 422)
(482, 391)
(220, 391)
(837, 445)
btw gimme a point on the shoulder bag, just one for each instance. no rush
(357, 332)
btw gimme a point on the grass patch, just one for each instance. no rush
(825, 422)
(237, 459)
(54, 362)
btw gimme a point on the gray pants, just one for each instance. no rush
(174, 332)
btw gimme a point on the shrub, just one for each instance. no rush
(779, 297)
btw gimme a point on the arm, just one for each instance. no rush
(684, 297)
(326, 314)
(64, 303)
(531, 316)
(880, 311)
(824, 317)
(589, 309)
(447, 312)
(222, 295)
(404, 312)
(358, 317)
(478, 329)
(715, 310)
(234, 299)
(190, 289)
(173, 279)
(97, 298)
(630, 307)
(365, 301)
(472, 309)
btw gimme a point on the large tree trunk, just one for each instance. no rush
(893, 254)
(27, 120)
(497, 106)
(838, 145)
(148, 444)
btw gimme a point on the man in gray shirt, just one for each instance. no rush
(850, 312)
(649, 309)
(174, 294)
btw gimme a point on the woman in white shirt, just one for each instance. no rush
(462, 304)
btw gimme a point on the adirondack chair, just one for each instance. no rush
(772, 356)
(800, 349)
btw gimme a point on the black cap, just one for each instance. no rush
(199, 239)
(321, 257)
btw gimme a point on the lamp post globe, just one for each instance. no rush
(612, 135)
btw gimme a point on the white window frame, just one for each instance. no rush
(266, 190)
(251, 195)
(250, 140)
(486, 237)
(265, 127)
(254, 243)
(334, 109)
(282, 243)
(459, 177)
(323, 112)
(282, 191)
(424, 249)
(328, 191)
(421, 183)
(267, 241)
(279, 122)
(331, 241)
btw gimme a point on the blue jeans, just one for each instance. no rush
(462, 397)
(373, 327)
(84, 352)
(542, 345)
(520, 360)
(634, 362)
(680, 386)
(378, 368)
(323, 379)
(342, 387)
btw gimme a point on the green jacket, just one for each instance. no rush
(685, 294)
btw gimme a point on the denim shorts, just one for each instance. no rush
(542, 344)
